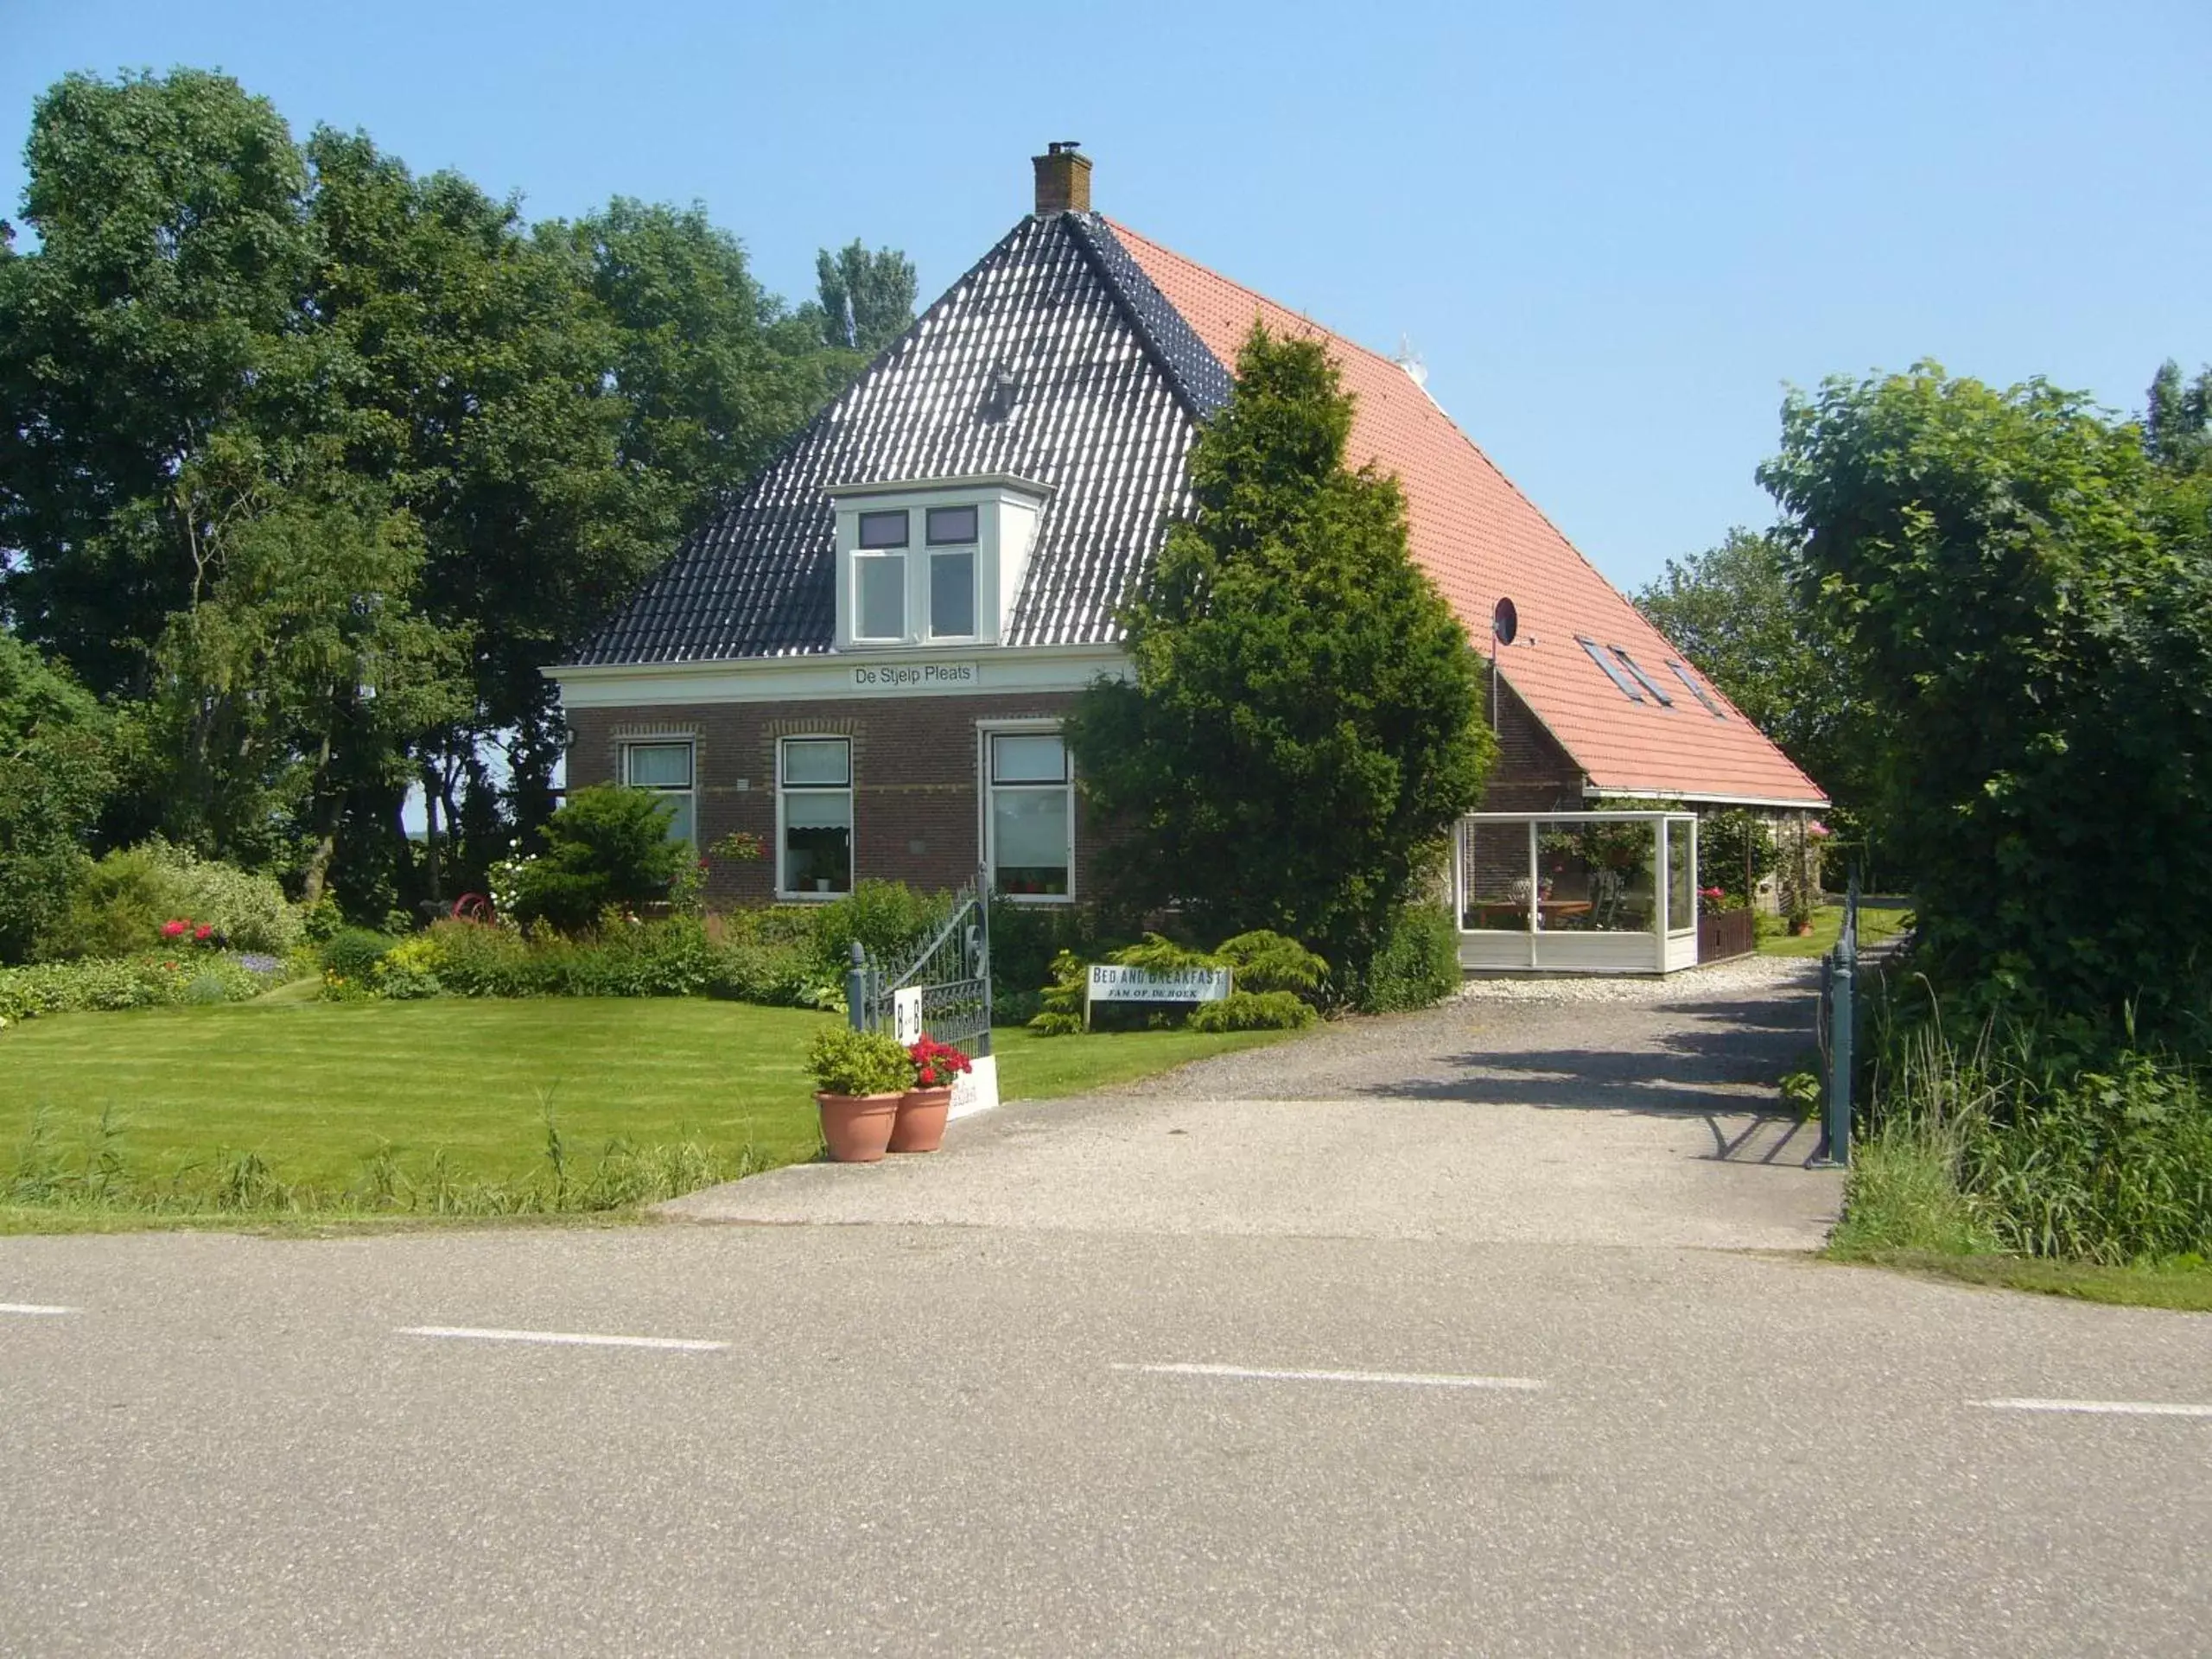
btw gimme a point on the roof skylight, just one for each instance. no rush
(1642, 678)
(1613, 672)
(1698, 691)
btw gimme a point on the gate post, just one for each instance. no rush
(1840, 985)
(856, 987)
(984, 953)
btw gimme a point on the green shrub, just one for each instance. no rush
(205, 989)
(1418, 962)
(1255, 1010)
(776, 975)
(408, 972)
(112, 983)
(1269, 961)
(474, 959)
(847, 1062)
(767, 924)
(606, 847)
(250, 912)
(1025, 937)
(1061, 1013)
(116, 907)
(352, 953)
(625, 958)
(888, 918)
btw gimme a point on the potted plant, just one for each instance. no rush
(922, 1109)
(859, 1078)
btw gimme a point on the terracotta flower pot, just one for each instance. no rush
(857, 1128)
(920, 1126)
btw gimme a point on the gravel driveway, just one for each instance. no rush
(1632, 1113)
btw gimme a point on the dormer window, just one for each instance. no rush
(932, 563)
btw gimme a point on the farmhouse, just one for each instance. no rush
(862, 660)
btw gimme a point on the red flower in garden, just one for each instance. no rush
(936, 1063)
(202, 933)
(173, 929)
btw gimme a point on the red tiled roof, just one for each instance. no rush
(1479, 538)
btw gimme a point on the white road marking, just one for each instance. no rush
(33, 1308)
(567, 1338)
(2101, 1407)
(1396, 1379)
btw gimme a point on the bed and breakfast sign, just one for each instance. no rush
(1109, 983)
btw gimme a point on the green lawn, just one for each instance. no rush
(1874, 926)
(451, 1091)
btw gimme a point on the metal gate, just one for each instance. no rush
(944, 987)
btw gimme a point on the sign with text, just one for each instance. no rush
(915, 676)
(906, 1015)
(1111, 984)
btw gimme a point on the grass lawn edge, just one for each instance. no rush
(2176, 1289)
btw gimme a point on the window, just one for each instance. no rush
(952, 526)
(880, 577)
(1642, 678)
(883, 529)
(665, 769)
(814, 815)
(1681, 868)
(1613, 671)
(1698, 691)
(1030, 814)
(951, 536)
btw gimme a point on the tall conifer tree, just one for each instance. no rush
(1304, 726)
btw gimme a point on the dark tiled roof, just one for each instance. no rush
(1107, 383)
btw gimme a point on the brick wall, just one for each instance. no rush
(1534, 774)
(917, 811)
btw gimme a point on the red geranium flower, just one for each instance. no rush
(936, 1063)
(202, 933)
(173, 929)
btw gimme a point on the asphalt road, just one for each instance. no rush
(944, 1440)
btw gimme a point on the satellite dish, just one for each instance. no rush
(1504, 622)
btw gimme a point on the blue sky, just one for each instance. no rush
(1613, 231)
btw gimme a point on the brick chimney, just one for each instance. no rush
(1063, 178)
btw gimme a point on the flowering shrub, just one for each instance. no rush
(116, 982)
(936, 1063)
(1711, 901)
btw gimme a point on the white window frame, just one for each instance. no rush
(852, 823)
(689, 793)
(985, 731)
(865, 556)
(931, 551)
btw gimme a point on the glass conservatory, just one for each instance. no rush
(1576, 893)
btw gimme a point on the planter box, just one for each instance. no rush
(1729, 934)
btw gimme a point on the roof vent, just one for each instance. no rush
(1063, 178)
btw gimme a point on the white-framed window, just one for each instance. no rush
(664, 767)
(1029, 813)
(951, 536)
(880, 575)
(814, 817)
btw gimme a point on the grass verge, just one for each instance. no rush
(406, 1112)
(1903, 1209)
